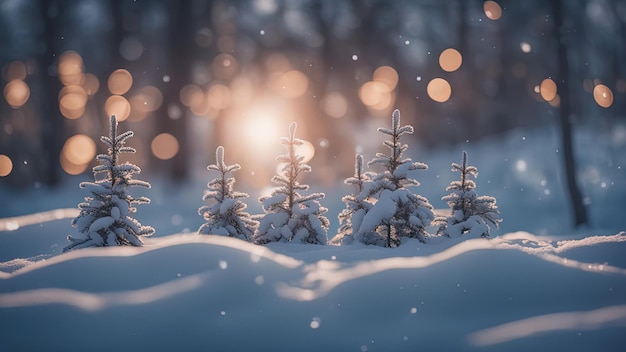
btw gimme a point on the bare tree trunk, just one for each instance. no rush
(51, 119)
(563, 87)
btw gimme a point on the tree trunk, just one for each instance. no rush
(51, 119)
(563, 87)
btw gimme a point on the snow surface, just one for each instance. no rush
(518, 291)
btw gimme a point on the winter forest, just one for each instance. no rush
(356, 175)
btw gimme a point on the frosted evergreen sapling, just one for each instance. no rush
(105, 216)
(290, 216)
(471, 214)
(397, 212)
(226, 215)
(351, 217)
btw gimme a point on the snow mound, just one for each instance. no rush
(197, 293)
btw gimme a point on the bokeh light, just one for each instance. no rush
(16, 93)
(191, 95)
(225, 66)
(547, 89)
(291, 84)
(219, 97)
(603, 95)
(117, 105)
(375, 94)
(164, 146)
(450, 60)
(493, 11)
(120, 81)
(6, 165)
(147, 99)
(525, 47)
(335, 105)
(70, 68)
(72, 101)
(91, 84)
(439, 90)
(386, 75)
(78, 151)
(306, 150)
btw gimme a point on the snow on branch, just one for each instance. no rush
(104, 217)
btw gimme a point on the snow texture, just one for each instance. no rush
(226, 214)
(105, 216)
(396, 212)
(290, 216)
(322, 298)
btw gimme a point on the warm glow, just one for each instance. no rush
(525, 47)
(79, 149)
(225, 66)
(386, 75)
(556, 102)
(6, 165)
(70, 168)
(277, 63)
(191, 95)
(72, 100)
(148, 99)
(335, 105)
(547, 89)
(117, 105)
(375, 94)
(91, 84)
(242, 90)
(219, 97)
(292, 84)
(16, 93)
(450, 60)
(120, 81)
(164, 146)
(261, 127)
(306, 150)
(439, 90)
(492, 10)
(70, 68)
(603, 95)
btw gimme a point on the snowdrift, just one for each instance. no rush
(185, 292)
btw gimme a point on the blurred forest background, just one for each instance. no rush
(190, 75)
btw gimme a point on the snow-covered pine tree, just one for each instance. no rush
(351, 216)
(290, 216)
(471, 214)
(227, 215)
(397, 211)
(104, 216)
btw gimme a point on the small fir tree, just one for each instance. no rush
(397, 211)
(290, 216)
(471, 214)
(227, 215)
(351, 217)
(105, 215)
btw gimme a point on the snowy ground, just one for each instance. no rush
(554, 289)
